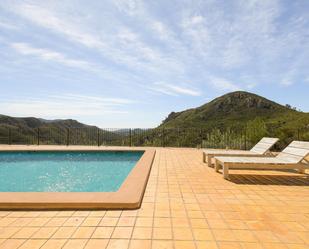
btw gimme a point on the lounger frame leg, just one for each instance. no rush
(217, 165)
(225, 169)
(209, 157)
(301, 171)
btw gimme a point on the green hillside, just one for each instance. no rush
(28, 130)
(243, 112)
(236, 109)
(32, 123)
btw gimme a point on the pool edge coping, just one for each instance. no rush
(129, 195)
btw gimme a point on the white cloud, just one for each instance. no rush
(49, 55)
(286, 82)
(174, 90)
(251, 85)
(287, 78)
(65, 106)
(222, 84)
(197, 36)
(162, 31)
(163, 90)
(122, 45)
(183, 90)
(232, 40)
(99, 100)
(192, 21)
(133, 45)
(7, 25)
(48, 19)
(130, 7)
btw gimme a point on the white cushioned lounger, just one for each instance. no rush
(260, 149)
(292, 157)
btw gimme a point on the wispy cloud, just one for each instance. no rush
(48, 19)
(122, 46)
(286, 82)
(161, 30)
(98, 100)
(251, 85)
(7, 25)
(183, 90)
(130, 7)
(223, 84)
(65, 106)
(174, 90)
(49, 55)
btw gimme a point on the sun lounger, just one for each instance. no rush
(260, 149)
(292, 157)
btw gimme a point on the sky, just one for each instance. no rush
(129, 63)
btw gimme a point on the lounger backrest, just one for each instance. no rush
(295, 152)
(264, 145)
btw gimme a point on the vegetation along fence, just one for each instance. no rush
(163, 137)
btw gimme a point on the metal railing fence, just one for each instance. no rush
(159, 137)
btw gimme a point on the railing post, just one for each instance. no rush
(163, 138)
(10, 136)
(245, 139)
(130, 133)
(38, 136)
(201, 136)
(98, 136)
(178, 136)
(68, 137)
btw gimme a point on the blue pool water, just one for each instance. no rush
(65, 171)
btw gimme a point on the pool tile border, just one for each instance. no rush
(129, 195)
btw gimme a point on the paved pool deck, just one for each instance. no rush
(186, 205)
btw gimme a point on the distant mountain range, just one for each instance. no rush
(237, 110)
(26, 130)
(33, 123)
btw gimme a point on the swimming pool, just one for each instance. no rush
(75, 190)
(65, 171)
(48, 177)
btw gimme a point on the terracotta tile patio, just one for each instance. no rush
(186, 205)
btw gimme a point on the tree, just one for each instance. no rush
(256, 129)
